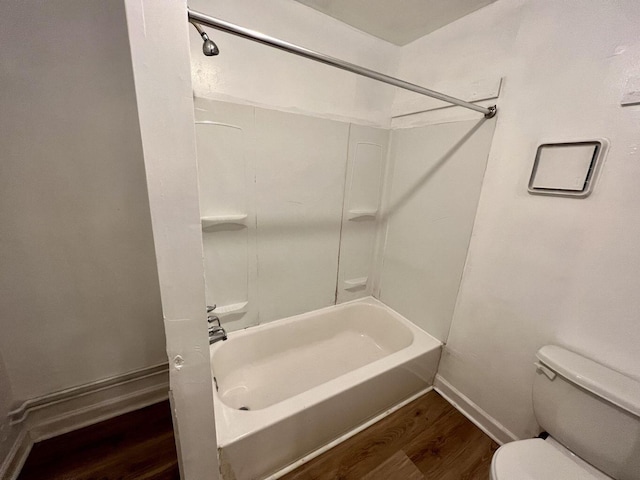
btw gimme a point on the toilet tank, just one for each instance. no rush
(590, 409)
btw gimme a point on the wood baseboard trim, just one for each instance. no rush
(70, 409)
(485, 422)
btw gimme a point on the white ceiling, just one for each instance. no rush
(397, 21)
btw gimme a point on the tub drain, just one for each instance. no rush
(244, 408)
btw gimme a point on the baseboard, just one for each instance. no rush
(70, 409)
(473, 412)
(19, 445)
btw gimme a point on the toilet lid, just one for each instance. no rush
(538, 459)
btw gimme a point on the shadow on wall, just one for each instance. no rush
(430, 173)
(438, 171)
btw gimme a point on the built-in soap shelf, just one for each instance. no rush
(232, 308)
(361, 214)
(355, 283)
(214, 221)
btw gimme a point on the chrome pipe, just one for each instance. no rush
(253, 35)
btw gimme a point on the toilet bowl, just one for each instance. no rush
(537, 458)
(592, 416)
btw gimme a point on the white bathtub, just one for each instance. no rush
(308, 380)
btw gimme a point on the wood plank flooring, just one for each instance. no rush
(427, 439)
(138, 445)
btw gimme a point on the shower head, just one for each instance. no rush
(209, 48)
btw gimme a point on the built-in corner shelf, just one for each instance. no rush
(361, 214)
(355, 283)
(232, 308)
(215, 221)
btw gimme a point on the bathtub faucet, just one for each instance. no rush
(216, 332)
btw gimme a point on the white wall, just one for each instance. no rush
(80, 298)
(435, 184)
(544, 270)
(300, 175)
(247, 72)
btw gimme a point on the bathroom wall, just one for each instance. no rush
(543, 270)
(247, 72)
(300, 173)
(287, 200)
(80, 298)
(434, 185)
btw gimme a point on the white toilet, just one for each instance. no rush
(592, 415)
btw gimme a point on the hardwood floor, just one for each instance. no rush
(138, 445)
(427, 439)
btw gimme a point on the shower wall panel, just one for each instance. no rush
(293, 218)
(361, 211)
(301, 162)
(271, 189)
(435, 188)
(226, 178)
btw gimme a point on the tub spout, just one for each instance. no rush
(216, 332)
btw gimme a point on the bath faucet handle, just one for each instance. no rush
(211, 308)
(215, 329)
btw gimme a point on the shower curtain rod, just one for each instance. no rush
(202, 19)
